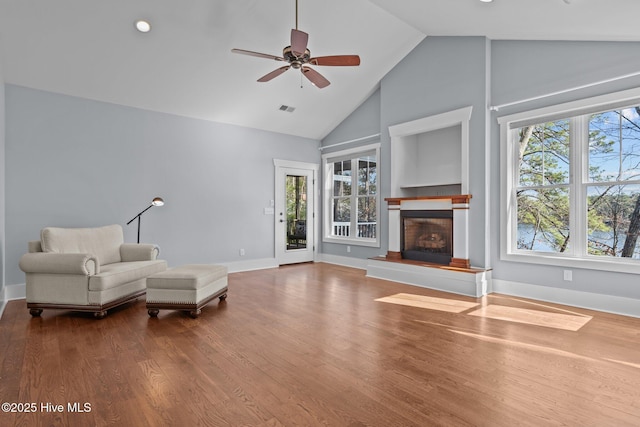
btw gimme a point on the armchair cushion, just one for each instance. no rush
(103, 242)
(114, 275)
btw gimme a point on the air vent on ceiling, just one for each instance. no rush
(287, 108)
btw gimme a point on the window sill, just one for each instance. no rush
(352, 241)
(593, 263)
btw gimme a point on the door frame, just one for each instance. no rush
(313, 168)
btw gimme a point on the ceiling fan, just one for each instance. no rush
(299, 57)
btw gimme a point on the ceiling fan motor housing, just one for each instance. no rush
(296, 61)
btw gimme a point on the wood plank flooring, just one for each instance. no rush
(308, 345)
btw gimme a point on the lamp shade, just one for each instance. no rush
(157, 201)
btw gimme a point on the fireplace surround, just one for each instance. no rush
(455, 205)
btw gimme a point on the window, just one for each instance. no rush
(571, 185)
(351, 198)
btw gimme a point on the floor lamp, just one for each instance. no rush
(157, 201)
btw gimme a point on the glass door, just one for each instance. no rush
(294, 221)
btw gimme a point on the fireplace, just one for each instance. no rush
(448, 217)
(427, 235)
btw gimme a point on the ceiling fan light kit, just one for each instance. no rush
(298, 56)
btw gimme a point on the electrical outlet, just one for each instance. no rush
(568, 275)
(241, 252)
(348, 249)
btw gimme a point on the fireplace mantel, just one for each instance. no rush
(455, 198)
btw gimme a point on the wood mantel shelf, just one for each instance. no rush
(455, 198)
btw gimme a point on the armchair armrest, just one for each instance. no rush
(59, 263)
(138, 252)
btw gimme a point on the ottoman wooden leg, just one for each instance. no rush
(153, 312)
(223, 297)
(35, 312)
(195, 313)
(100, 314)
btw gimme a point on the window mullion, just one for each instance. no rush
(354, 198)
(579, 136)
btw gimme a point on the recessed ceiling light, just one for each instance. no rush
(143, 26)
(486, 1)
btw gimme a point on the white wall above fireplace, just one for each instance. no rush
(431, 152)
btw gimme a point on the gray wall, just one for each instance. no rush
(524, 69)
(441, 74)
(74, 162)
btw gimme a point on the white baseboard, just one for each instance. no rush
(343, 260)
(10, 293)
(18, 291)
(600, 302)
(250, 265)
(3, 302)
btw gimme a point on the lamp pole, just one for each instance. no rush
(157, 201)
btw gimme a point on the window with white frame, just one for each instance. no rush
(571, 184)
(351, 196)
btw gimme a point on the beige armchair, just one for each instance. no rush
(86, 269)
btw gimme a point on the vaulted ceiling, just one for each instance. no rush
(184, 65)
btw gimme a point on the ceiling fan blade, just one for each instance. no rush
(336, 60)
(315, 77)
(275, 73)
(299, 40)
(258, 54)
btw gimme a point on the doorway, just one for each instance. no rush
(295, 203)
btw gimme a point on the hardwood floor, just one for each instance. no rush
(309, 345)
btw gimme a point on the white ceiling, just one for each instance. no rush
(184, 66)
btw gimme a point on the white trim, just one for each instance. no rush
(461, 117)
(508, 181)
(563, 91)
(294, 164)
(351, 141)
(250, 265)
(327, 195)
(13, 292)
(435, 122)
(353, 150)
(601, 302)
(3, 303)
(621, 97)
(358, 263)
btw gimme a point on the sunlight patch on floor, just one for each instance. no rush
(431, 303)
(633, 365)
(532, 317)
(522, 345)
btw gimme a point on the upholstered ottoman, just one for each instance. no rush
(188, 288)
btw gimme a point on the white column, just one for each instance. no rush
(394, 228)
(461, 230)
